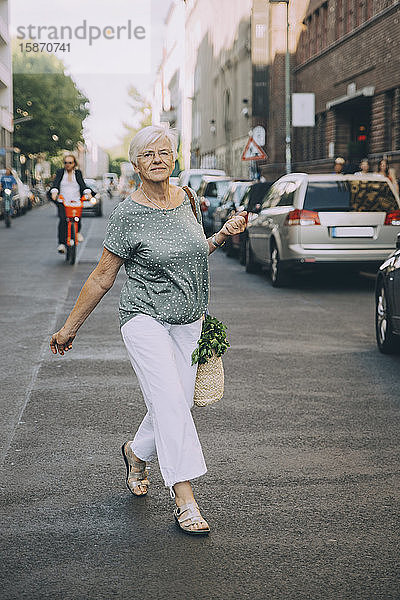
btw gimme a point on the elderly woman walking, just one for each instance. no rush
(155, 234)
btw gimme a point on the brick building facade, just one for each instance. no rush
(348, 54)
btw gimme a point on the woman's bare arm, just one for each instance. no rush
(96, 286)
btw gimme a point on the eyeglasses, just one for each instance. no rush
(149, 156)
(68, 162)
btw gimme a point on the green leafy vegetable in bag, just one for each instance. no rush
(212, 339)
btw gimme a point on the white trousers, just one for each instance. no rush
(160, 354)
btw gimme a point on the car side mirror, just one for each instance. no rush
(398, 242)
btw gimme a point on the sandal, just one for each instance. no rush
(135, 479)
(187, 515)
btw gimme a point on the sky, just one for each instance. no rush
(118, 43)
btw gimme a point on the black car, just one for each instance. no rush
(211, 191)
(387, 312)
(251, 202)
(229, 206)
(94, 206)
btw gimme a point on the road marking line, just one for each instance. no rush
(43, 349)
(81, 247)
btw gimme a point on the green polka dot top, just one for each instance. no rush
(166, 261)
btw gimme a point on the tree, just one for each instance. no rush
(142, 113)
(115, 165)
(141, 110)
(43, 91)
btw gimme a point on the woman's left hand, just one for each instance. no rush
(235, 224)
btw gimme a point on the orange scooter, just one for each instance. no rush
(73, 213)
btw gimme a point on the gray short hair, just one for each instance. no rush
(149, 135)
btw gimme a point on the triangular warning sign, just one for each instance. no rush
(253, 151)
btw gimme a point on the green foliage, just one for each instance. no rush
(141, 111)
(115, 165)
(58, 107)
(212, 339)
(57, 161)
(141, 117)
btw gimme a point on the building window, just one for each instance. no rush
(261, 30)
(227, 111)
(308, 143)
(339, 19)
(197, 78)
(346, 20)
(362, 11)
(349, 16)
(324, 25)
(321, 129)
(317, 44)
(309, 37)
(315, 33)
(196, 125)
(390, 121)
(358, 12)
(314, 142)
(302, 44)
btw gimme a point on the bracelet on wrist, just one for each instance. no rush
(215, 243)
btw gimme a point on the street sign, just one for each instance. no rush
(253, 151)
(259, 135)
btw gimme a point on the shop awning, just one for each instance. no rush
(367, 92)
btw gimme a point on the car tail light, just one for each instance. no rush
(204, 204)
(393, 218)
(302, 217)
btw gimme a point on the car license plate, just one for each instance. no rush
(347, 232)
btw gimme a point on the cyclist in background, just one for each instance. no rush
(69, 183)
(8, 181)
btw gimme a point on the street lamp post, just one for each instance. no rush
(288, 140)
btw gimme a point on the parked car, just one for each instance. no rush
(229, 205)
(193, 177)
(211, 192)
(94, 206)
(387, 303)
(21, 196)
(308, 220)
(251, 203)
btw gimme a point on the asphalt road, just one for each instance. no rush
(302, 491)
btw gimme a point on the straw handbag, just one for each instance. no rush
(209, 386)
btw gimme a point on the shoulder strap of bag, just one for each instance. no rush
(192, 200)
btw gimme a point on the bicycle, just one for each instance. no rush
(73, 214)
(8, 205)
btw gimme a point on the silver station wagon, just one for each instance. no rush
(308, 220)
